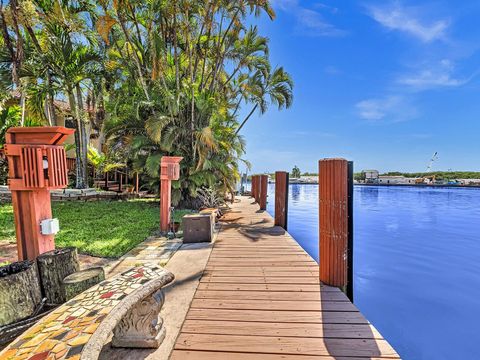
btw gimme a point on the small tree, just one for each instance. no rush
(361, 176)
(296, 172)
(101, 163)
(3, 171)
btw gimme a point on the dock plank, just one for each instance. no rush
(260, 298)
(255, 304)
(287, 345)
(215, 355)
(278, 316)
(272, 295)
(348, 331)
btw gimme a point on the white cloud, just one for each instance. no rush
(394, 108)
(285, 4)
(407, 19)
(434, 76)
(332, 70)
(309, 22)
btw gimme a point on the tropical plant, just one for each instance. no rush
(209, 197)
(101, 163)
(296, 173)
(9, 117)
(147, 79)
(3, 171)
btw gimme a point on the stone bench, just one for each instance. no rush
(127, 305)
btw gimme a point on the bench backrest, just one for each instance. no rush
(82, 325)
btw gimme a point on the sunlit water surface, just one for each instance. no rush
(416, 264)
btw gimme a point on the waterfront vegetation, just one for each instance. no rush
(440, 175)
(144, 79)
(99, 228)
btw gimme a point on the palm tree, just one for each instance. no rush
(157, 78)
(275, 88)
(74, 62)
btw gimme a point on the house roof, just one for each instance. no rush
(61, 105)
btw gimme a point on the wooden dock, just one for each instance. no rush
(260, 298)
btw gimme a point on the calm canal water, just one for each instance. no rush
(416, 264)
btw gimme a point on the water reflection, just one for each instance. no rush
(417, 265)
(295, 192)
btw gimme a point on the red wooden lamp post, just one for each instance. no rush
(37, 164)
(169, 170)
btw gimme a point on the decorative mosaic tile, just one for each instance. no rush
(63, 333)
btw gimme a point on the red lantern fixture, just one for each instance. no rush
(169, 170)
(37, 164)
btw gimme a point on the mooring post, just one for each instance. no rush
(350, 232)
(257, 188)
(281, 198)
(335, 223)
(263, 179)
(252, 186)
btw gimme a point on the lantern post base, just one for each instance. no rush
(30, 208)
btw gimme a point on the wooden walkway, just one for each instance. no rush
(260, 298)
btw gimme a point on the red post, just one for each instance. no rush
(257, 188)
(281, 198)
(252, 187)
(37, 164)
(263, 180)
(169, 170)
(334, 219)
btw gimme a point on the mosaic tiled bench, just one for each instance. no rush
(127, 305)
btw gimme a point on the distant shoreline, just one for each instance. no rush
(397, 185)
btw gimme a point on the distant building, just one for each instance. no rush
(371, 176)
(395, 180)
(471, 182)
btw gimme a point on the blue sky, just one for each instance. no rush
(383, 83)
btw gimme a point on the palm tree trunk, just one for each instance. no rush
(221, 57)
(50, 103)
(175, 52)
(19, 54)
(84, 133)
(135, 57)
(8, 43)
(246, 119)
(80, 178)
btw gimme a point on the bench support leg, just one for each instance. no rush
(142, 327)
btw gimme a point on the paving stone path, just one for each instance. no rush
(154, 249)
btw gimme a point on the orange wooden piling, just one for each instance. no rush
(281, 198)
(263, 180)
(257, 188)
(252, 188)
(333, 217)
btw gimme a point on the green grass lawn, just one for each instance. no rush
(99, 228)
